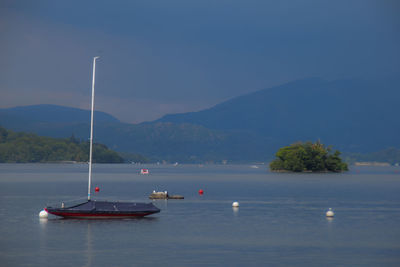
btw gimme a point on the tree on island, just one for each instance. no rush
(308, 156)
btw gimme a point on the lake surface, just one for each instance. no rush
(280, 222)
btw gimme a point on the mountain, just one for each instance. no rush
(50, 114)
(157, 141)
(352, 115)
(52, 120)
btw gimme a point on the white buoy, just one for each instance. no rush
(235, 204)
(43, 214)
(330, 213)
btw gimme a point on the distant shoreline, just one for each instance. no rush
(372, 163)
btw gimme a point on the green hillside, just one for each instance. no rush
(22, 147)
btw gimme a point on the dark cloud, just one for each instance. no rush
(172, 56)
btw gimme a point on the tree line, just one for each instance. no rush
(19, 147)
(390, 155)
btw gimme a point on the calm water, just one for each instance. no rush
(281, 220)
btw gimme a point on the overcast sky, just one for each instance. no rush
(170, 56)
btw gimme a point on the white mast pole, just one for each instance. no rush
(91, 128)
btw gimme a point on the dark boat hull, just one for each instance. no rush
(104, 210)
(97, 215)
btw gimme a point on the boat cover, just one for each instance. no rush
(106, 207)
(112, 206)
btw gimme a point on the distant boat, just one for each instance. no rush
(94, 209)
(144, 171)
(164, 195)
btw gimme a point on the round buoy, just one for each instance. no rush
(330, 213)
(201, 192)
(235, 204)
(43, 214)
(97, 189)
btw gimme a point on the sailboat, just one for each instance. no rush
(100, 209)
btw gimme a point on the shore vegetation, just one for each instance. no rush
(19, 147)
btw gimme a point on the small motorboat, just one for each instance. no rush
(144, 171)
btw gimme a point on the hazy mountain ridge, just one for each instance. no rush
(50, 114)
(163, 140)
(352, 116)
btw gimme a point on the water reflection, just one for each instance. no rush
(89, 252)
(84, 239)
(235, 211)
(43, 241)
(43, 222)
(329, 219)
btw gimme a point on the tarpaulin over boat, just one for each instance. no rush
(105, 208)
(112, 206)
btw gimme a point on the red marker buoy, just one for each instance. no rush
(97, 189)
(201, 192)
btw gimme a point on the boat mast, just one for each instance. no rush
(91, 128)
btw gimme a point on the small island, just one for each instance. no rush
(308, 157)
